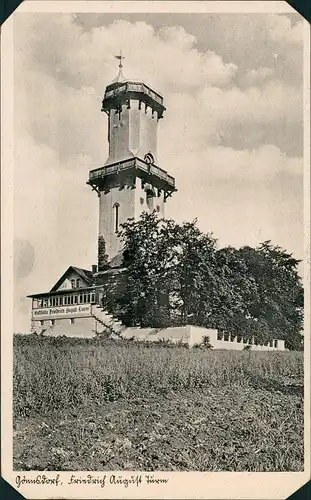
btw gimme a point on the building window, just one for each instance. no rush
(52, 322)
(158, 208)
(141, 200)
(78, 283)
(50, 301)
(93, 297)
(76, 299)
(80, 299)
(73, 283)
(41, 322)
(60, 301)
(72, 320)
(116, 207)
(84, 298)
(56, 301)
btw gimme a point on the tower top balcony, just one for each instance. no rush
(121, 92)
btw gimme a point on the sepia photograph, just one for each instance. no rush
(158, 243)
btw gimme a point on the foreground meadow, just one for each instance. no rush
(100, 405)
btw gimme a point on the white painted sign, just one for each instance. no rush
(61, 312)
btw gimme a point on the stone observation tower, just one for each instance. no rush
(131, 181)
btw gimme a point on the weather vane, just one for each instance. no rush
(120, 57)
(120, 76)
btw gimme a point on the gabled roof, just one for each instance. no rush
(85, 274)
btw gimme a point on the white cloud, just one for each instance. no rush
(275, 102)
(244, 197)
(257, 76)
(209, 116)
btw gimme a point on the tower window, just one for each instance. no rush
(149, 198)
(116, 207)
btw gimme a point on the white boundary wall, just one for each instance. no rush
(194, 335)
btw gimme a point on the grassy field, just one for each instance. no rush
(101, 405)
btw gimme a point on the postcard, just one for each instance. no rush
(155, 296)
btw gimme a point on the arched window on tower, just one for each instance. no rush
(150, 194)
(116, 207)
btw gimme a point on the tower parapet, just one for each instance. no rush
(119, 93)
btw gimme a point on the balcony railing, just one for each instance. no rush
(134, 87)
(132, 163)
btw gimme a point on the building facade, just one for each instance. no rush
(67, 307)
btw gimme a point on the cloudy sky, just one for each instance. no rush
(231, 136)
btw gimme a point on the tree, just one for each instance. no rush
(176, 276)
(102, 255)
(277, 305)
(166, 263)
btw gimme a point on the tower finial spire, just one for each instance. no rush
(120, 76)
